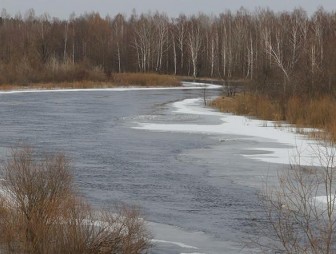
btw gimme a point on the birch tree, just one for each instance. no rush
(181, 38)
(194, 42)
(143, 38)
(161, 38)
(118, 36)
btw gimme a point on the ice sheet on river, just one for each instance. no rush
(298, 147)
(185, 86)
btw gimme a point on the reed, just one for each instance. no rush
(145, 79)
(304, 112)
(116, 80)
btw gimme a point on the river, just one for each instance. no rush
(197, 188)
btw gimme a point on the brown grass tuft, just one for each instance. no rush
(248, 104)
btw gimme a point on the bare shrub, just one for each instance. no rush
(40, 212)
(300, 214)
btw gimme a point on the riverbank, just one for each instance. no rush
(184, 86)
(302, 112)
(291, 146)
(115, 81)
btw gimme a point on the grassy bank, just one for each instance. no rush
(145, 79)
(116, 80)
(313, 112)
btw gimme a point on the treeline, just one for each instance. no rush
(281, 53)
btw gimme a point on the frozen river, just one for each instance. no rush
(195, 181)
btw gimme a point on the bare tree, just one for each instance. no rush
(119, 33)
(181, 37)
(212, 41)
(143, 42)
(172, 32)
(275, 52)
(194, 43)
(161, 38)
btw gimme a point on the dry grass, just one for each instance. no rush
(316, 113)
(116, 80)
(225, 104)
(145, 79)
(247, 104)
(303, 112)
(62, 85)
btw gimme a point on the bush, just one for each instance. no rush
(41, 213)
(300, 212)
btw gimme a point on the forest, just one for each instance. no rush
(280, 53)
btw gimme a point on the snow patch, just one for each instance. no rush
(192, 253)
(322, 201)
(185, 86)
(297, 148)
(182, 245)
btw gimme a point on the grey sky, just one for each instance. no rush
(63, 8)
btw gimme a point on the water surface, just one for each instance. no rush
(196, 191)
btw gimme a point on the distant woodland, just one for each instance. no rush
(281, 53)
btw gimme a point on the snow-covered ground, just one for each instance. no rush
(187, 242)
(301, 149)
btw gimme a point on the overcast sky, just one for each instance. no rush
(63, 8)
